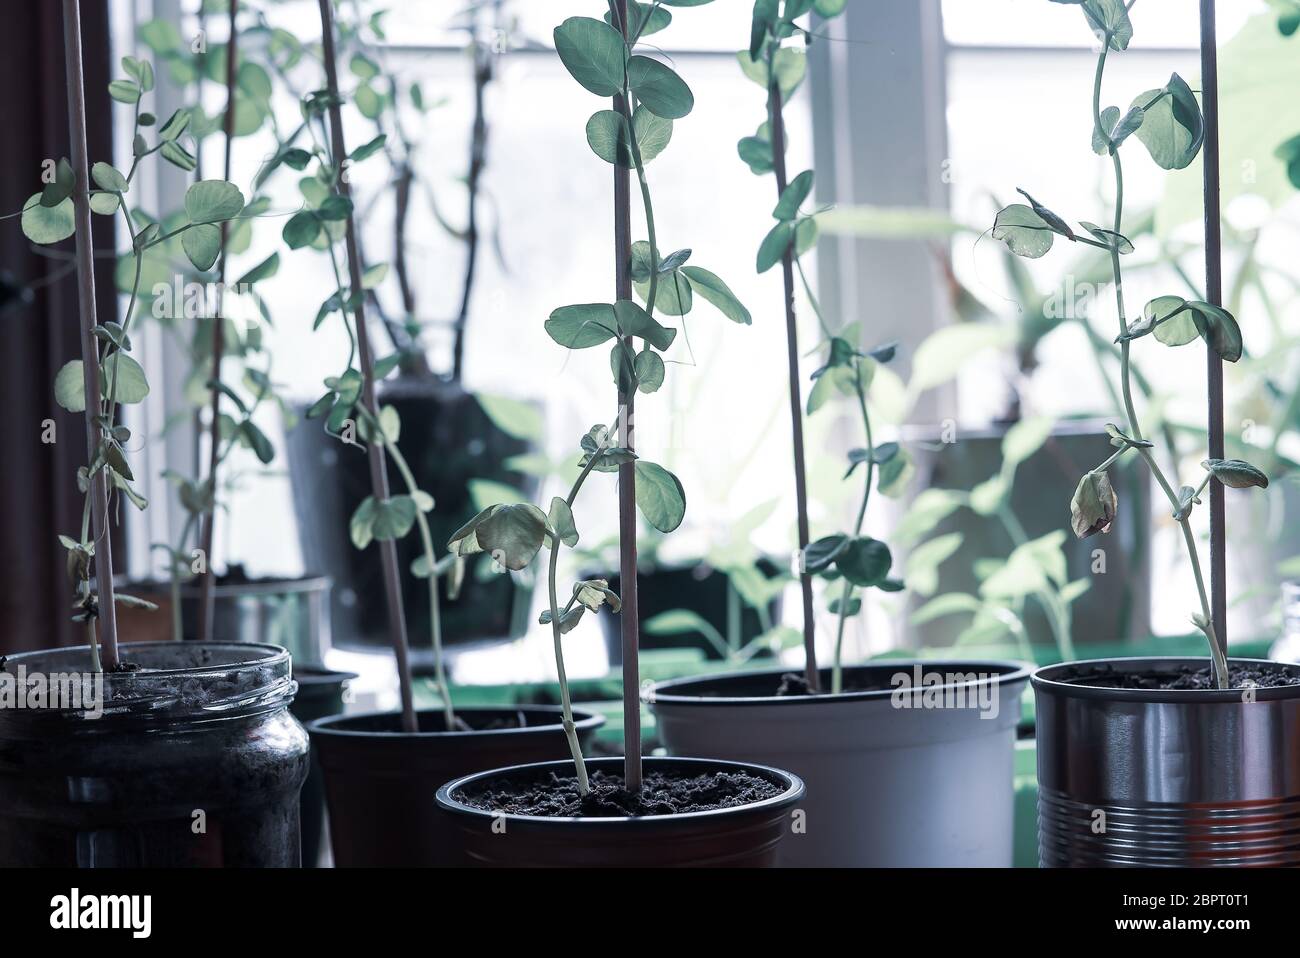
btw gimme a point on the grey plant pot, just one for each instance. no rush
(1139, 777)
(887, 786)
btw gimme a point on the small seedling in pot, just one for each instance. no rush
(1169, 124)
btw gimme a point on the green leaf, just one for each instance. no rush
(61, 189)
(864, 561)
(105, 204)
(124, 91)
(1236, 473)
(202, 245)
(1108, 19)
(774, 246)
(677, 622)
(659, 88)
(561, 519)
(515, 418)
(70, 387)
(1094, 505)
(108, 177)
(301, 230)
(950, 603)
(1025, 438)
(46, 224)
(635, 321)
(582, 326)
(757, 153)
(394, 517)
(649, 370)
(512, 534)
(369, 148)
(789, 64)
(716, 292)
(211, 201)
(607, 137)
(263, 270)
(818, 555)
(924, 561)
(125, 377)
(673, 296)
(829, 8)
(568, 620)
(764, 20)
(1024, 231)
(660, 496)
(593, 593)
(1117, 241)
(257, 441)
(787, 208)
(593, 52)
(175, 125)
(1176, 322)
(1172, 127)
(643, 19)
(177, 155)
(369, 101)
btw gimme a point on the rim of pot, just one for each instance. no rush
(294, 585)
(1044, 679)
(248, 656)
(661, 693)
(794, 791)
(307, 674)
(324, 726)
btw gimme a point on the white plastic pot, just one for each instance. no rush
(896, 777)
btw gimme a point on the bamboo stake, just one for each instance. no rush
(796, 401)
(89, 345)
(1214, 295)
(629, 624)
(374, 449)
(206, 593)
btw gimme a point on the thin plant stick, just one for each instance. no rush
(629, 625)
(796, 402)
(1214, 295)
(105, 653)
(374, 448)
(207, 594)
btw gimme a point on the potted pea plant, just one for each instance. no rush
(1117, 737)
(380, 767)
(458, 442)
(196, 758)
(879, 745)
(629, 811)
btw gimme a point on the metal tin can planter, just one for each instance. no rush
(193, 760)
(918, 774)
(1176, 777)
(380, 781)
(740, 836)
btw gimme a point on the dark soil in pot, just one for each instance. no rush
(380, 781)
(1107, 675)
(449, 442)
(194, 761)
(663, 792)
(690, 813)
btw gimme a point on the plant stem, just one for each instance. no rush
(98, 491)
(207, 597)
(375, 451)
(846, 594)
(431, 559)
(796, 402)
(1217, 653)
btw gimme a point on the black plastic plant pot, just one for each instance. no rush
(911, 766)
(291, 613)
(743, 836)
(320, 694)
(451, 445)
(193, 759)
(380, 781)
(1166, 776)
(698, 588)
